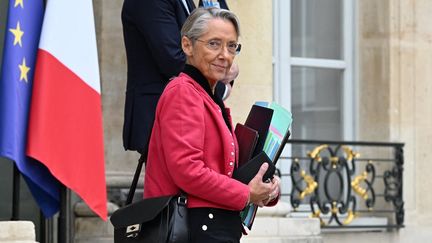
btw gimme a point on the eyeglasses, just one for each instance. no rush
(216, 45)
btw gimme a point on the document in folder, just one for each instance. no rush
(259, 119)
(247, 139)
(278, 133)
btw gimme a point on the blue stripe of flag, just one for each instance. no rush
(16, 80)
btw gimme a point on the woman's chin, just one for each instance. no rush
(218, 76)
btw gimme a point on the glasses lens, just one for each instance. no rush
(233, 48)
(214, 45)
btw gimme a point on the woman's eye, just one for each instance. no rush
(214, 44)
(232, 46)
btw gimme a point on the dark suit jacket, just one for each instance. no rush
(151, 30)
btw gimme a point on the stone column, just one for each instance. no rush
(112, 64)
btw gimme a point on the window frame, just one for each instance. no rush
(283, 63)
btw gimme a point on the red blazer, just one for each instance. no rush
(192, 149)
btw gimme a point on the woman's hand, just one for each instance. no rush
(261, 191)
(276, 192)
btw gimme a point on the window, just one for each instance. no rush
(313, 70)
(313, 66)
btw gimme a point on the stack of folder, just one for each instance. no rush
(261, 140)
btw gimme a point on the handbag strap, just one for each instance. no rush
(133, 186)
(135, 180)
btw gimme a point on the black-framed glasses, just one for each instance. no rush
(216, 45)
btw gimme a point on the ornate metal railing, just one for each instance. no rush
(346, 184)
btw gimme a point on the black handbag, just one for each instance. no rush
(153, 220)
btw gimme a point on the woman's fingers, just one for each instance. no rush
(260, 190)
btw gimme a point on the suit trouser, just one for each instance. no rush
(212, 225)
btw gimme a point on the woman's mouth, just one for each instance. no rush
(219, 67)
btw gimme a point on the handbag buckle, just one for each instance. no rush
(132, 230)
(182, 200)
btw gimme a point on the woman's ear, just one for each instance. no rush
(187, 46)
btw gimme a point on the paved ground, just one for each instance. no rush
(406, 235)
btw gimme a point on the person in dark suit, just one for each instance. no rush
(151, 31)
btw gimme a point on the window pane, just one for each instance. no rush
(316, 28)
(316, 103)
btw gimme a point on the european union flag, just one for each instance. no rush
(19, 55)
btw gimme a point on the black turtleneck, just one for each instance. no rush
(198, 77)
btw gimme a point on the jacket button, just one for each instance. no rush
(232, 153)
(232, 143)
(229, 172)
(204, 227)
(231, 163)
(210, 216)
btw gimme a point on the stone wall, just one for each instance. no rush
(395, 68)
(255, 81)
(374, 76)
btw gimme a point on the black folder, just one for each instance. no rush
(280, 149)
(259, 119)
(248, 171)
(247, 139)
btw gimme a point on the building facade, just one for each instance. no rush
(347, 69)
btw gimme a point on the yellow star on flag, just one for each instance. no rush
(23, 71)
(19, 2)
(18, 34)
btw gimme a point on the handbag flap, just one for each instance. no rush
(139, 212)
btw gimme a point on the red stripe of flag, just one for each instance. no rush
(65, 130)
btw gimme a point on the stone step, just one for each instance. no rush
(18, 241)
(17, 232)
(309, 239)
(284, 230)
(265, 229)
(95, 240)
(89, 226)
(93, 227)
(270, 226)
(275, 226)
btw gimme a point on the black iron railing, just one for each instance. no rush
(346, 184)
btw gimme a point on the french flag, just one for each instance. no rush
(65, 125)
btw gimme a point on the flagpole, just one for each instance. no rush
(65, 233)
(46, 229)
(16, 193)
